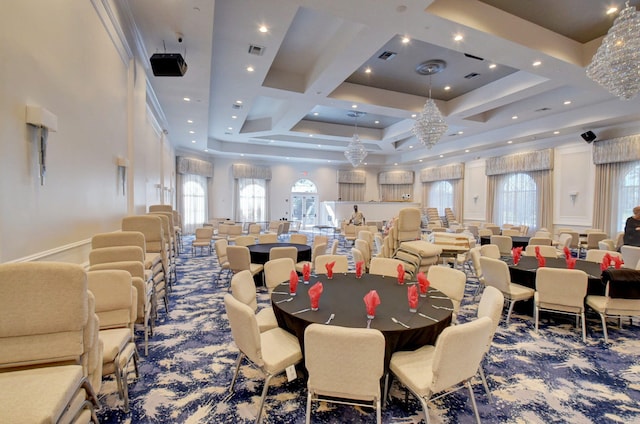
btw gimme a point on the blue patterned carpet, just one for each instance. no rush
(549, 377)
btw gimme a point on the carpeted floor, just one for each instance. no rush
(549, 377)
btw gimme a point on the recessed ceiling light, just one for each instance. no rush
(492, 66)
(229, 128)
(186, 99)
(263, 28)
(413, 115)
(612, 10)
(405, 40)
(514, 117)
(510, 141)
(315, 114)
(363, 163)
(354, 106)
(567, 102)
(458, 37)
(556, 132)
(537, 63)
(329, 161)
(270, 141)
(460, 132)
(310, 135)
(319, 145)
(241, 154)
(189, 121)
(287, 158)
(441, 156)
(250, 69)
(238, 102)
(466, 150)
(206, 150)
(234, 117)
(396, 164)
(447, 88)
(367, 70)
(376, 122)
(420, 160)
(193, 132)
(193, 141)
(411, 147)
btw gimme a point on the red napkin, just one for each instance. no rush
(606, 262)
(314, 294)
(567, 252)
(541, 261)
(371, 301)
(537, 249)
(571, 263)
(329, 267)
(423, 282)
(400, 274)
(359, 266)
(516, 252)
(618, 262)
(412, 295)
(306, 271)
(293, 281)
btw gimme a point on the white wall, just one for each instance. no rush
(58, 55)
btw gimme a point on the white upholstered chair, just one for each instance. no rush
(491, 304)
(451, 282)
(298, 238)
(630, 256)
(277, 271)
(244, 289)
(240, 259)
(387, 267)
(341, 263)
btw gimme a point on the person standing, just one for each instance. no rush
(357, 218)
(632, 229)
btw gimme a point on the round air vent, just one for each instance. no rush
(431, 67)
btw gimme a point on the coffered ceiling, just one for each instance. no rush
(321, 59)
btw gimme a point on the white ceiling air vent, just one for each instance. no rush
(543, 109)
(471, 75)
(256, 50)
(236, 106)
(470, 56)
(387, 55)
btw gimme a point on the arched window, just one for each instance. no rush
(304, 186)
(517, 200)
(194, 201)
(629, 196)
(441, 196)
(253, 198)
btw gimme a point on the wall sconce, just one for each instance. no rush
(123, 164)
(44, 121)
(573, 195)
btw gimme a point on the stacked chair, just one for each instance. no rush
(51, 356)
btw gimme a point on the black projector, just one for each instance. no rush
(168, 65)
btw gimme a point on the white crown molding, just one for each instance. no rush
(105, 11)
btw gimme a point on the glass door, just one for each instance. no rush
(304, 208)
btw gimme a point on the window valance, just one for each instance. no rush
(185, 165)
(251, 171)
(441, 173)
(352, 176)
(540, 160)
(621, 149)
(395, 177)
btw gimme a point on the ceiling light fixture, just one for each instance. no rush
(405, 40)
(430, 125)
(263, 28)
(537, 63)
(616, 64)
(356, 152)
(457, 37)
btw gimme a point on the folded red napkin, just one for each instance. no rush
(359, 266)
(306, 271)
(537, 250)
(412, 295)
(618, 262)
(371, 301)
(400, 274)
(314, 294)
(567, 252)
(606, 262)
(423, 282)
(293, 281)
(515, 253)
(571, 263)
(541, 261)
(329, 267)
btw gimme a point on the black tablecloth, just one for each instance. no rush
(343, 296)
(260, 252)
(518, 241)
(525, 272)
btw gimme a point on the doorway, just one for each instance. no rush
(304, 203)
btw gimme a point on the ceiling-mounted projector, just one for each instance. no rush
(168, 65)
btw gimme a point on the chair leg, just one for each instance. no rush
(604, 327)
(484, 383)
(308, 413)
(536, 316)
(425, 408)
(378, 411)
(267, 380)
(511, 303)
(235, 374)
(584, 327)
(473, 401)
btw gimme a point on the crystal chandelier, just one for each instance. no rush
(430, 125)
(616, 64)
(356, 151)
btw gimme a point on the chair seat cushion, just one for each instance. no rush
(38, 395)
(518, 292)
(114, 341)
(255, 268)
(266, 319)
(414, 369)
(279, 350)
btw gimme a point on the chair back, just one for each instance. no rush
(597, 255)
(267, 238)
(459, 350)
(561, 288)
(116, 299)
(151, 227)
(564, 240)
(284, 252)
(473, 229)
(449, 281)
(504, 244)
(490, 251)
(490, 305)
(357, 255)
(366, 235)
(203, 234)
(387, 267)
(364, 248)
(342, 264)
(255, 229)
(495, 273)
(607, 244)
(245, 240)
(118, 238)
(408, 224)
(239, 258)
(575, 239)
(510, 232)
(475, 260)
(540, 241)
(495, 230)
(630, 256)
(243, 288)
(116, 254)
(594, 237)
(317, 250)
(334, 247)
(546, 251)
(344, 362)
(244, 329)
(278, 271)
(220, 247)
(320, 240)
(542, 234)
(160, 208)
(298, 238)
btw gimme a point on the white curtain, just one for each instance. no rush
(617, 193)
(192, 201)
(394, 192)
(351, 192)
(251, 200)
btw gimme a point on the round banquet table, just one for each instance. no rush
(343, 296)
(260, 252)
(518, 241)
